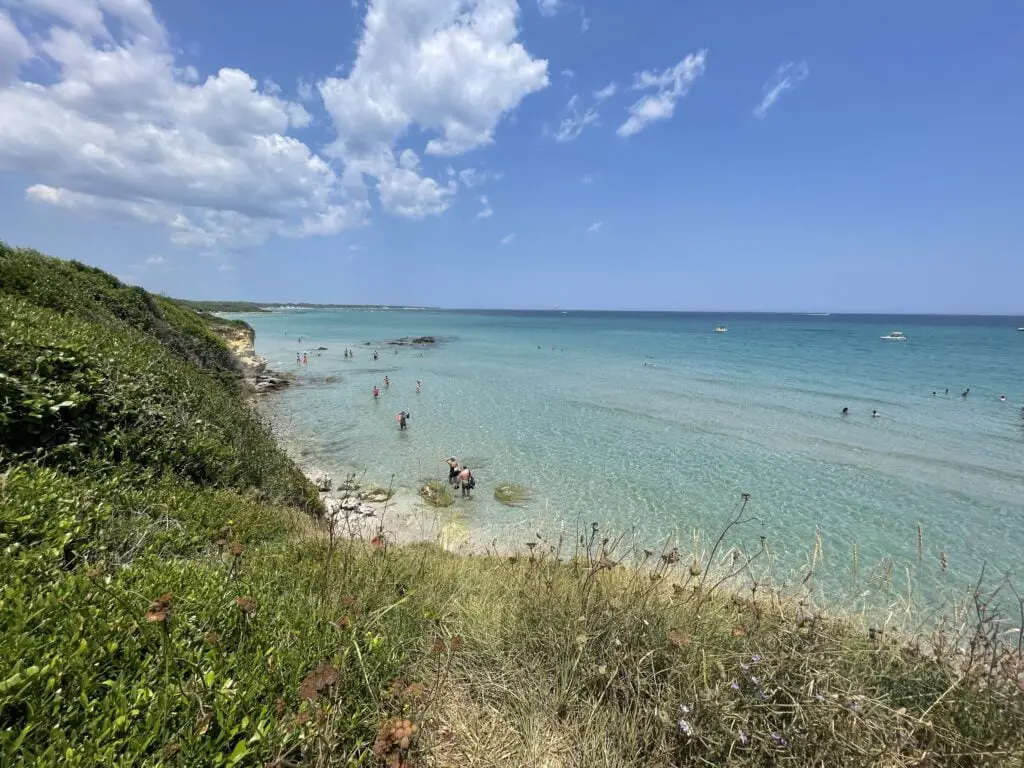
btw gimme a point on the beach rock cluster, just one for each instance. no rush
(263, 383)
(406, 341)
(320, 479)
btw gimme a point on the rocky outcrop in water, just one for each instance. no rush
(410, 341)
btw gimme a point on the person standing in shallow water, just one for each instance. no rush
(845, 412)
(376, 392)
(453, 471)
(467, 481)
(402, 417)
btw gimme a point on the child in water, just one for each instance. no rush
(376, 392)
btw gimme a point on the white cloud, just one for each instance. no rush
(785, 78)
(226, 267)
(14, 49)
(572, 126)
(356, 248)
(454, 69)
(548, 7)
(471, 177)
(587, 179)
(606, 93)
(121, 127)
(594, 228)
(487, 211)
(155, 261)
(568, 73)
(508, 238)
(670, 86)
(584, 22)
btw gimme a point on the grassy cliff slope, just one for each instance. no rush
(169, 595)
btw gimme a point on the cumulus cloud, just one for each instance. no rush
(451, 69)
(584, 22)
(670, 85)
(486, 212)
(594, 228)
(785, 78)
(587, 179)
(121, 127)
(508, 238)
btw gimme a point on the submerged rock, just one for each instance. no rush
(375, 494)
(406, 341)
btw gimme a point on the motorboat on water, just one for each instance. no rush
(721, 329)
(894, 336)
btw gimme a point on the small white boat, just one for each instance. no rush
(721, 329)
(894, 336)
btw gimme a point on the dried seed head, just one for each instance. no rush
(247, 604)
(160, 609)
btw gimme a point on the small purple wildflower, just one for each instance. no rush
(685, 728)
(744, 739)
(745, 667)
(779, 739)
(684, 709)
(756, 658)
(762, 695)
(734, 685)
(853, 706)
(755, 680)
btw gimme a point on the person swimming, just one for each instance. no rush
(387, 382)
(845, 412)
(875, 414)
(419, 387)
(1002, 398)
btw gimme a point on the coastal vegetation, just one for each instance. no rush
(172, 593)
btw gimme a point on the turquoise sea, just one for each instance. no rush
(564, 403)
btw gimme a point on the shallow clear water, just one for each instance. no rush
(564, 404)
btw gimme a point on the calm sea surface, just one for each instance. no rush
(564, 404)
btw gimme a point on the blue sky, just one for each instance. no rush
(684, 155)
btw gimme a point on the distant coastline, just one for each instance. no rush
(271, 306)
